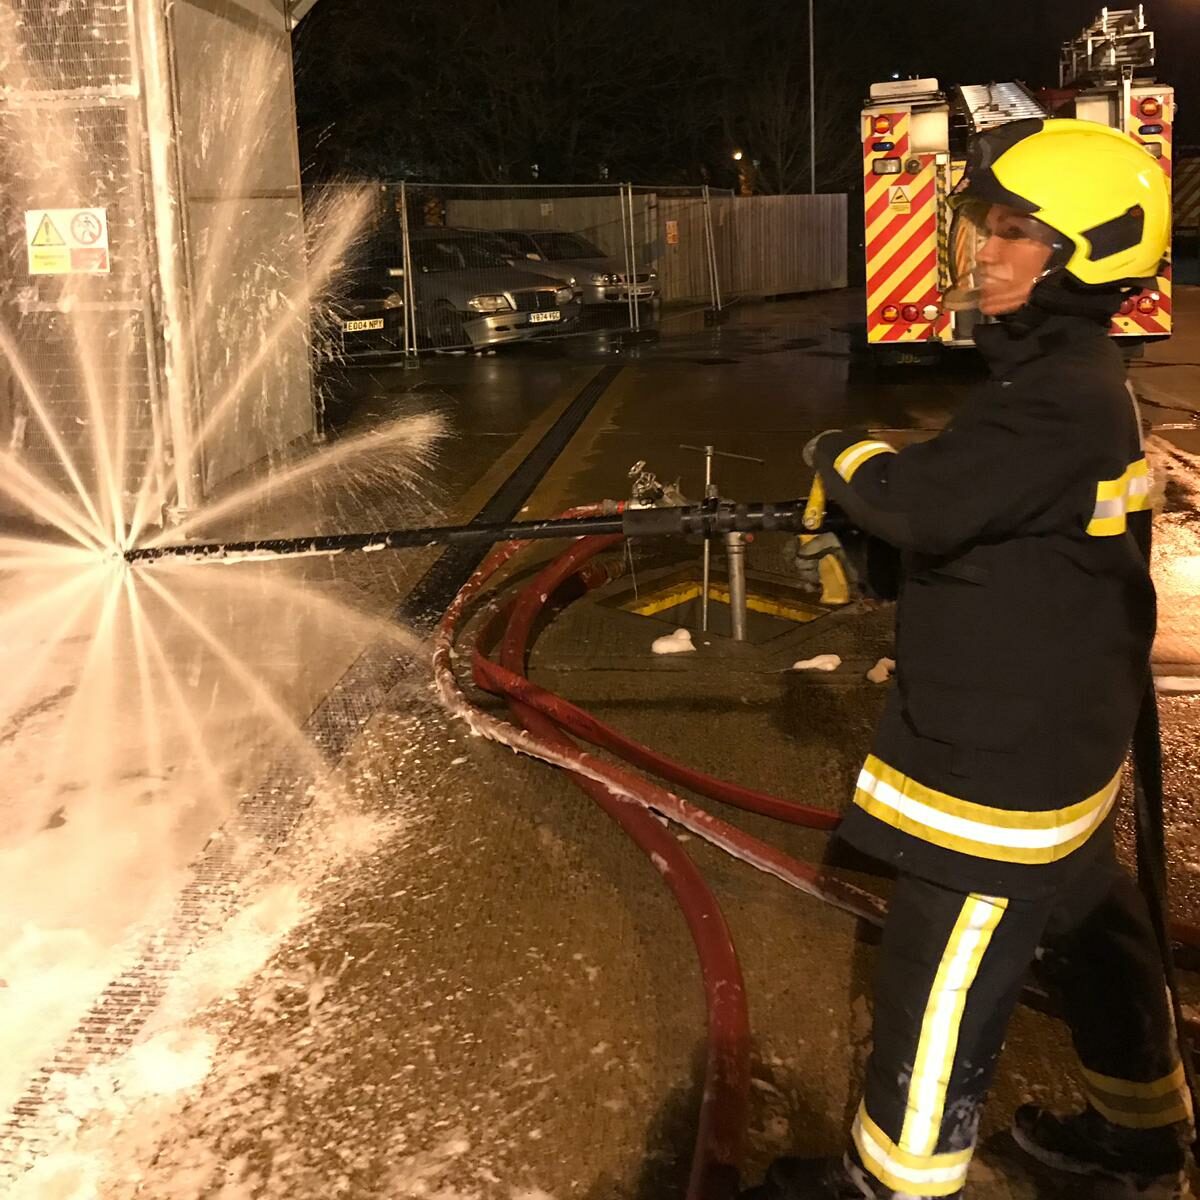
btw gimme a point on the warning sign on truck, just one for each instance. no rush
(67, 241)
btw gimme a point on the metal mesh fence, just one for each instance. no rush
(80, 45)
(456, 267)
(470, 267)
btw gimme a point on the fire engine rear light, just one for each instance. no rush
(1154, 149)
(882, 125)
(1150, 130)
(883, 147)
(931, 312)
(1147, 305)
(1126, 307)
(886, 166)
(1150, 107)
(890, 313)
(910, 312)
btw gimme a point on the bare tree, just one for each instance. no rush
(765, 103)
(566, 89)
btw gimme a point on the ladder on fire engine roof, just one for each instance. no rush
(1115, 44)
(989, 104)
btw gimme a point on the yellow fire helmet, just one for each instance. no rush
(1100, 190)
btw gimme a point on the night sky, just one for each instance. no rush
(658, 91)
(1021, 39)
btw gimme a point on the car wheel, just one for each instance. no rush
(446, 330)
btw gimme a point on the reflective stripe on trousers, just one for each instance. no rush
(950, 971)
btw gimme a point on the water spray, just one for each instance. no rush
(712, 518)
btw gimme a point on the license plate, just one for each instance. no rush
(539, 318)
(362, 326)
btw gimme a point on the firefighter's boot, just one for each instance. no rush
(822, 1179)
(1149, 1163)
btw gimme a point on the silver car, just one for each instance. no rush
(598, 278)
(467, 295)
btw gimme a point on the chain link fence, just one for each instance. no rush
(458, 267)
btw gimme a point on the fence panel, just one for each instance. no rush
(786, 244)
(677, 244)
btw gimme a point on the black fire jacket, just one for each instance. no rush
(1025, 616)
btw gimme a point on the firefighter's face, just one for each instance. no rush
(1010, 262)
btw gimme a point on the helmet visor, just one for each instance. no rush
(998, 256)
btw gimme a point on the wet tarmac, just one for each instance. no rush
(493, 995)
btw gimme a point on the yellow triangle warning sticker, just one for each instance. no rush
(47, 234)
(897, 196)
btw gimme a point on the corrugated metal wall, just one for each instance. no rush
(682, 256)
(774, 245)
(70, 131)
(243, 226)
(74, 128)
(1185, 185)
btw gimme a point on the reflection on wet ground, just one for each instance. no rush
(489, 996)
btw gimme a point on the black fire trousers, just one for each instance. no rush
(950, 971)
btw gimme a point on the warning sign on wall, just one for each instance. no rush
(67, 241)
(672, 233)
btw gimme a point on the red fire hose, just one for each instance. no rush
(727, 1084)
(632, 801)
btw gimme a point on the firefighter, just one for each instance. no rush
(1023, 636)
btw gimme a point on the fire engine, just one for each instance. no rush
(914, 137)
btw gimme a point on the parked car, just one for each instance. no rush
(598, 277)
(468, 295)
(368, 314)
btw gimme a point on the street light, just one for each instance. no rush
(812, 101)
(745, 170)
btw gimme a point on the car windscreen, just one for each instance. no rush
(454, 254)
(511, 245)
(555, 247)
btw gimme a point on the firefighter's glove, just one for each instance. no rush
(821, 562)
(814, 510)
